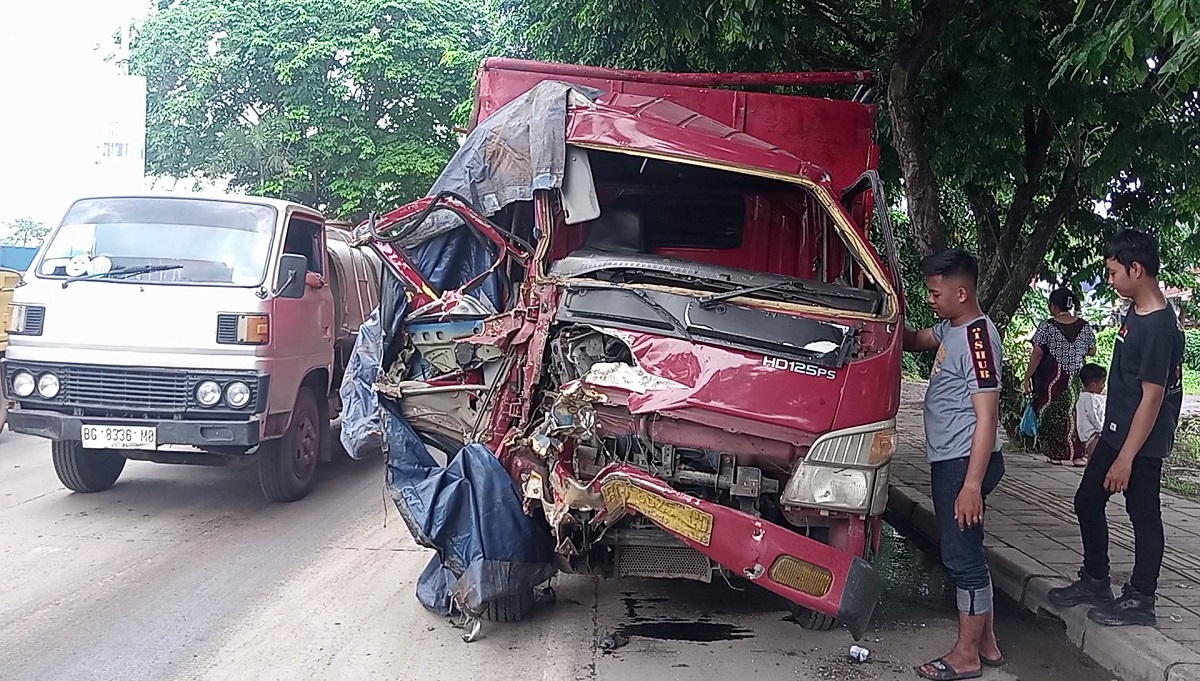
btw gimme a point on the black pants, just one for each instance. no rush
(1145, 511)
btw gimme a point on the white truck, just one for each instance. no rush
(187, 329)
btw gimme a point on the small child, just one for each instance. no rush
(1089, 409)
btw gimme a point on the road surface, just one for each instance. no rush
(186, 573)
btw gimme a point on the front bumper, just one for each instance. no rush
(802, 570)
(55, 426)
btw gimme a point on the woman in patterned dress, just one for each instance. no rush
(1061, 345)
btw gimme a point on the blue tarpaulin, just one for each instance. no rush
(469, 511)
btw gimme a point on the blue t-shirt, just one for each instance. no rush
(969, 361)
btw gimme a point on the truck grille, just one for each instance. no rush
(678, 562)
(227, 328)
(91, 390)
(137, 389)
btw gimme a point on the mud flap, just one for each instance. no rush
(859, 596)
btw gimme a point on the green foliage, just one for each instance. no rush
(24, 232)
(1191, 350)
(342, 104)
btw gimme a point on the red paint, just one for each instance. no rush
(831, 134)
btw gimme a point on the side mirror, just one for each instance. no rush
(292, 270)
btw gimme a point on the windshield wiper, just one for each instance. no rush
(122, 273)
(711, 299)
(661, 312)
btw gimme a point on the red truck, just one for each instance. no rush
(692, 365)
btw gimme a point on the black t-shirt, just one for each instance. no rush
(1149, 348)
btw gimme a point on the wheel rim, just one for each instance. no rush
(307, 444)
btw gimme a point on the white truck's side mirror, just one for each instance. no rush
(290, 283)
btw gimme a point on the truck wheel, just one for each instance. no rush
(83, 470)
(511, 608)
(288, 466)
(813, 620)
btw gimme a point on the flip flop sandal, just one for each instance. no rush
(945, 672)
(998, 662)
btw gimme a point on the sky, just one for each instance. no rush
(52, 63)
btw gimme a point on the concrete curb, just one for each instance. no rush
(1131, 653)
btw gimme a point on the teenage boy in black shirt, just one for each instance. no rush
(1145, 394)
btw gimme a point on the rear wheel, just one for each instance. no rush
(287, 467)
(86, 470)
(511, 608)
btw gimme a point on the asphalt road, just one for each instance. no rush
(186, 573)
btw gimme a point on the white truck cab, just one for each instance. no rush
(187, 329)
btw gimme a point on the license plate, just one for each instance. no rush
(119, 437)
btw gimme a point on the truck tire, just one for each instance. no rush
(287, 466)
(83, 470)
(813, 620)
(511, 608)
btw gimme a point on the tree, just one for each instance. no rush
(24, 232)
(996, 144)
(341, 104)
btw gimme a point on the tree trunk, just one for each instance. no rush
(920, 185)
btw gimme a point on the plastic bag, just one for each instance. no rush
(1029, 424)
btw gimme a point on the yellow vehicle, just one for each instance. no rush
(8, 284)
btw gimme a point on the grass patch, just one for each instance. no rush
(1181, 472)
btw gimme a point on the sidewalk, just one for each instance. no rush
(1033, 545)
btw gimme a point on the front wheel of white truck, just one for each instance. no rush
(287, 466)
(86, 470)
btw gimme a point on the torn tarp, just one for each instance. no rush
(512, 153)
(469, 511)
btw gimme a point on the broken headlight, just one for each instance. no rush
(845, 471)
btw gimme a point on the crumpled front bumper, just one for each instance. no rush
(807, 572)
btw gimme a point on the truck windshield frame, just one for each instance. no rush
(214, 242)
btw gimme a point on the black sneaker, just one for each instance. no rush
(1132, 608)
(1083, 590)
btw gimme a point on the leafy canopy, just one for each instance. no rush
(341, 104)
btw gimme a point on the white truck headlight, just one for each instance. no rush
(208, 393)
(48, 386)
(846, 470)
(23, 384)
(237, 394)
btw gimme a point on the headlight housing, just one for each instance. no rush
(237, 394)
(48, 386)
(208, 393)
(845, 470)
(23, 384)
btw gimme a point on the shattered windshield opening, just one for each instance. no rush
(724, 234)
(168, 240)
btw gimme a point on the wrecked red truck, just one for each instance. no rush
(667, 310)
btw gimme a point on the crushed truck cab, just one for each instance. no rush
(679, 333)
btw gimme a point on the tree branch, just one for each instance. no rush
(1003, 300)
(1039, 133)
(920, 184)
(986, 212)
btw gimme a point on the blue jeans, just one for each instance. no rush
(962, 550)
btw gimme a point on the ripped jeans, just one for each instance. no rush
(962, 550)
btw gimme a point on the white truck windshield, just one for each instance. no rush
(186, 241)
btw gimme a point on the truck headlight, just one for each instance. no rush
(846, 470)
(208, 393)
(23, 384)
(237, 394)
(842, 489)
(48, 386)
